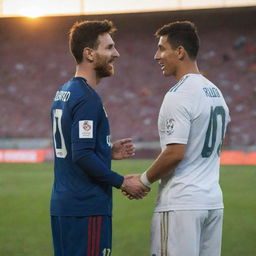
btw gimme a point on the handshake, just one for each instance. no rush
(133, 188)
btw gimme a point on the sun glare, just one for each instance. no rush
(31, 13)
(38, 8)
(32, 16)
(28, 8)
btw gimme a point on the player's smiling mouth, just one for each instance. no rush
(162, 65)
(111, 62)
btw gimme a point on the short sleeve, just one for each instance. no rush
(175, 118)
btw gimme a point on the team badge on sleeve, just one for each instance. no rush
(86, 129)
(170, 126)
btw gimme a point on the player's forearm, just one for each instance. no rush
(96, 169)
(163, 165)
(166, 163)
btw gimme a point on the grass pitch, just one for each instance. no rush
(25, 223)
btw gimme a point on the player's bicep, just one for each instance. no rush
(84, 127)
(84, 130)
(177, 122)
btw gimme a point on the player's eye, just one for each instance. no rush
(110, 46)
(161, 48)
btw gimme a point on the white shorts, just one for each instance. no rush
(187, 233)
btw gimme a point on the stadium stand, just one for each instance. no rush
(35, 61)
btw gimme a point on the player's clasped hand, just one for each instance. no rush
(133, 188)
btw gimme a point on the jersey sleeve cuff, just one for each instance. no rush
(117, 180)
(175, 140)
(113, 179)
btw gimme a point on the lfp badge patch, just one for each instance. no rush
(86, 129)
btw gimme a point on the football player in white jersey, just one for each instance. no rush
(192, 122)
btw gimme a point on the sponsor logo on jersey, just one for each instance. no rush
(170, 126)
(86, 129)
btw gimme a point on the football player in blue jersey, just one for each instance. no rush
(81, 202)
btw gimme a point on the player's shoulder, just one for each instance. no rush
(79, 87)
(80, 90)
(186, 84)
(192, 86)
(184, 92)
(178, 86)
(182, 87)
(76, 91)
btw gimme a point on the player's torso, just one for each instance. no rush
(73, 189)
(195, 180)
(66, 100)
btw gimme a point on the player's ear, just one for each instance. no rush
(88, 54)
(181, 52)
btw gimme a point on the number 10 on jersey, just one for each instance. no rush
(213, 129)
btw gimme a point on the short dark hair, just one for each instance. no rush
(85, 34)
(182, 33)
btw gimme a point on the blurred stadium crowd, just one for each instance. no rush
(35, 61)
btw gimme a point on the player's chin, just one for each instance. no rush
(105, 71)
(166, 73)
(111, 69)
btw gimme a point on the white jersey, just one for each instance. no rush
(194, 113)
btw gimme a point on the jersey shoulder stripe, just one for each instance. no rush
(175, 87)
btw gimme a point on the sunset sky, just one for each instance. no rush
(35, 8)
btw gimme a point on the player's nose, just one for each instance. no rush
(116, 53)
(157, 56)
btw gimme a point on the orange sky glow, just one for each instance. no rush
(36, 8)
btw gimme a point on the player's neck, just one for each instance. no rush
(186, 68)
(88, 74)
